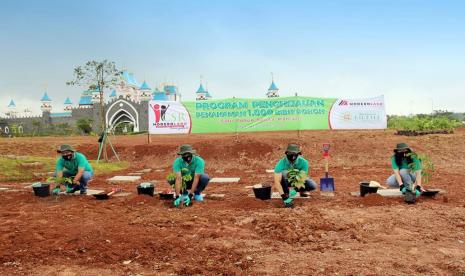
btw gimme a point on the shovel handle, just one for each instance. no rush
(326, 166)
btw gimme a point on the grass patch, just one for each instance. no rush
(104, 168)
(12, 170)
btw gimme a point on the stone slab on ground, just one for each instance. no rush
(270, 171)
(124, 178)
(394, 192)
(215, 196)
(136, 174)
(277, 195)
(4, 189)
(89, 192)
(225, 180)
(327, 194)
(122, 194)
(144, 171)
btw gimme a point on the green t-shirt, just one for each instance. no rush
(404, 165)
(196, 166)
(284, 165)
(78, 161)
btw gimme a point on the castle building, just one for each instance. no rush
(202, 94)
(273, 90)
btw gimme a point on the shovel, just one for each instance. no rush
(103, 195)
(327, 183)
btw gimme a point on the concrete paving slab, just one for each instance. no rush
(277, 195)
(4, 189)
(144, 171)
(270, 171)
(124, 178)
(216, 196)
(122, 194)
(136, 174)
(225, 180)
(327, 194)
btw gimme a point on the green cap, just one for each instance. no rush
(186, 149)
(65, 148)
(401, 146)
(293, 148)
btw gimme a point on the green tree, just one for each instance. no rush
(36, 124)
(84, 125)
(97, 75)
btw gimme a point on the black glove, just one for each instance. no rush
(402, 188)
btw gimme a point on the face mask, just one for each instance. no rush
(187, 158)
(67, 157)
(291, 157)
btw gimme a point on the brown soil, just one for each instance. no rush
(73, 235)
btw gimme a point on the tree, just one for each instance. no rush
(85, 125)
(97, 75)
(36, 124)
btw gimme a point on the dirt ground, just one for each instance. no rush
(240, 235)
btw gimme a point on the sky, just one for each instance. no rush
(410, 51)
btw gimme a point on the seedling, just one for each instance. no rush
(297, 178)
(185, 177)
(426, 164)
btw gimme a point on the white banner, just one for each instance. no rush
(368, 113)
(168, 117)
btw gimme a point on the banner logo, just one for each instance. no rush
(168, 117)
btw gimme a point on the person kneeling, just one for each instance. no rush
(191, 166)
(73, 164)
(295, 163)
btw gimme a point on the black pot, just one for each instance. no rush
(41, 190)
(263, 192)
(366, 189)
(167, 196)
(146, 190)
(410, 197)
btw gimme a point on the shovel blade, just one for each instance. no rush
(327, 184)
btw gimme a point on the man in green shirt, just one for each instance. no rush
(292, 160)
(189, 164)
(407, 169)
(75, 165)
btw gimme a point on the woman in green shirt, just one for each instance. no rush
(406, 167)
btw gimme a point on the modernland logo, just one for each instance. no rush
(175, 118)
(348, 103)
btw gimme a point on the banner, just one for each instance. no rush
(358, 114)
(272, 114)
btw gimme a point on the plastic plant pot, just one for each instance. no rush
(366, 189)
(262, 192)
(41, 189)
(430, 193)
(167, 196)
(146, 189)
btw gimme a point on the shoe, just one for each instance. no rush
(83, 192)
(304, 194)
(198, 197)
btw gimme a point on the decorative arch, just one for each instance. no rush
(116, 113)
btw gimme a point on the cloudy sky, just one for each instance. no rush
(411, 51)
